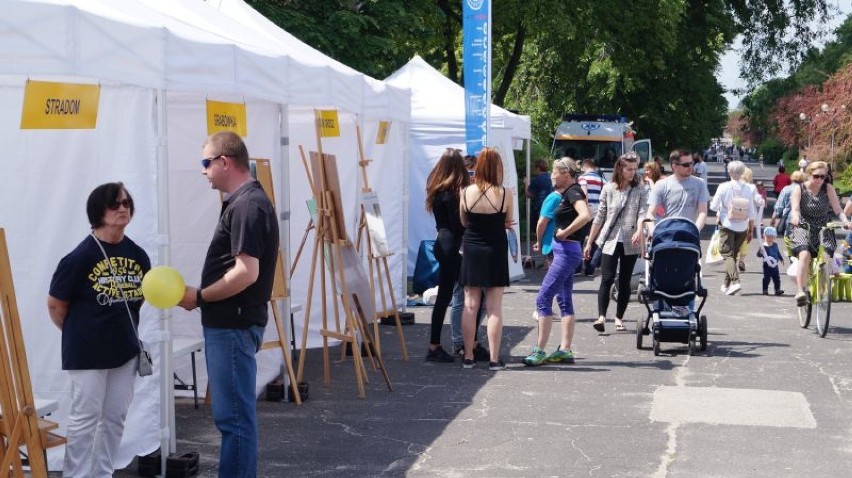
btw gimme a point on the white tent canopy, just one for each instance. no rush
(182, 45)
(438, 122)
(157, 62)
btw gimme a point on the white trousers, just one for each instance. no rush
(99, 403)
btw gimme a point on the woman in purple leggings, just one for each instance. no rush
(571, 217)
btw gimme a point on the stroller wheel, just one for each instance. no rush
(656, 347)
(640, 324)
(691, 346)
(640, 293)
(613, 292)
(702, 332)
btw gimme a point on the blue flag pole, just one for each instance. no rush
(476, 56)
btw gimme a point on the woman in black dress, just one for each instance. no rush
(486, 213)
(813, 203)
(443, 187)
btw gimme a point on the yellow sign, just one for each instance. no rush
(226, 117)
(382, 134)
(49, 105)
(329, 124)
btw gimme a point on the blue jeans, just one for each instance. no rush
(457, 306)
(232, 374)
(559, 280)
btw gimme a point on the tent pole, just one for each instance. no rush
(167, 397)
(406, 199)
(529, 226)
(283, 200)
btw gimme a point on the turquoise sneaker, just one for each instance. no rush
(537, 357)
(563, 356)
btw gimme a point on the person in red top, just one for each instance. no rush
(780, 180)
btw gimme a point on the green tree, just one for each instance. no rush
(653, 61)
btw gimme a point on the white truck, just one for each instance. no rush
(600, 137)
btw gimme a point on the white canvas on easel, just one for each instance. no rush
(330, 237)
(377, 260)
(375, 224)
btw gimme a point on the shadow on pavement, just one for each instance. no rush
(335, 433)
(739, 349)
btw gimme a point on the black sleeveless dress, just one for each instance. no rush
(485, 262)
(815, 211)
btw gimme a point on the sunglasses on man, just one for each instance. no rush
(205, 163)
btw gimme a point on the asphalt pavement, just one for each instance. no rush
(766, 399)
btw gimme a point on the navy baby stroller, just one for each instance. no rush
(672, 282)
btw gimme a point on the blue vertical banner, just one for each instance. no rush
(476, 56)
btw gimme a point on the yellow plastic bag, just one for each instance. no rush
(743, 251)
(713, 254)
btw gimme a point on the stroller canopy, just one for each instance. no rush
(676, 232)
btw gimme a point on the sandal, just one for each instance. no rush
(598, 325)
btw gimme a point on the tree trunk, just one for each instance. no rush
(511, 67)
(449, 39)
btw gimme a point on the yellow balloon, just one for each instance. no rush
(163, 287)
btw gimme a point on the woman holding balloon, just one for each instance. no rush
(95, 297)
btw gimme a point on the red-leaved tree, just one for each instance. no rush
(821, 135)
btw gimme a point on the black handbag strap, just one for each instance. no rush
(618, 214)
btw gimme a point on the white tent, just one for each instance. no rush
(156, 64)
(387, 172)
(437, 122)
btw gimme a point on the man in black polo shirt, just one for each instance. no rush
(236, 285)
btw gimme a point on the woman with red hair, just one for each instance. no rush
(486, 213)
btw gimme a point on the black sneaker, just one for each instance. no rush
(496, 366)
(779, 292)
(438, 355)
(481, 353)
(458, 350)
(468, 363)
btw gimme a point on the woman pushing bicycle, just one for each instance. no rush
(812, 204)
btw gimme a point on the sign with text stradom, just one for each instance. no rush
(477, 72)
(223, 116)
(49, 105)
(382, 133)
(329, 123)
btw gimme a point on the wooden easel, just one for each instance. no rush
(19, 424)
(279, 286)
(330, 240)
(379, 262)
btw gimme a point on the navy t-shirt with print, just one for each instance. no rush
(97, 333)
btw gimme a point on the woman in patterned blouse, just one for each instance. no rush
(616, 227)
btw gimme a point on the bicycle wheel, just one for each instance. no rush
(822, 299)
(804, 312)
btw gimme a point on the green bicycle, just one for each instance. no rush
(818, 288)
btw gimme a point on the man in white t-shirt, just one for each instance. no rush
(681, 194)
